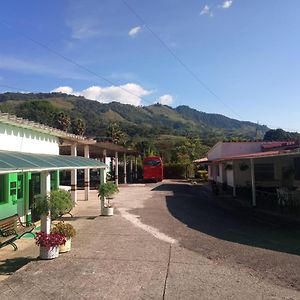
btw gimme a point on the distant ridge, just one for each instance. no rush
(138, 122)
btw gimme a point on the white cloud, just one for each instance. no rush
(206, 11)
(166, 99)
(129, 93)
(134, 31)
(227, 3)
(65, 90)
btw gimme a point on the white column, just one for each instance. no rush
(104, 155)
(135, 172)
(74, 176)
(125, 171)
(45, 191)
(131, 170)
(86, 174)
(116, 168)
(253, 182)
(233, 181)
(102, 180)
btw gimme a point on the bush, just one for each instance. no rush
(65, 229)
(60, 203)
(174, 171)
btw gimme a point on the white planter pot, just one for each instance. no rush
(51, 253)
(66, 247)
(107, 211)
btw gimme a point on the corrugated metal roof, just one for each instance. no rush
(257, 155)
(11, 162)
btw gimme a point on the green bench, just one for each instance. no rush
(11, 229)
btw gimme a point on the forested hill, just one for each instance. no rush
(149, 122)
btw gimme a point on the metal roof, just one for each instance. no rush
(257, 155)
(11, 162)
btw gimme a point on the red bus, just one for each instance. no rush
(153, 168)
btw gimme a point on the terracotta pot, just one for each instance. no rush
(66, 247)
(51, 253)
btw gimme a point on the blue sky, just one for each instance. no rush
(246, 53)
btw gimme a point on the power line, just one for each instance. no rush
(70, 60)
(179, 60)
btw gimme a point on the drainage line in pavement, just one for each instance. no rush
(167, 274)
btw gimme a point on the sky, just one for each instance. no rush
(234, 57)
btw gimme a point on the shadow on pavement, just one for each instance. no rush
(221, 218)
(9, 266)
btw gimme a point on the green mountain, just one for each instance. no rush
(137, 122)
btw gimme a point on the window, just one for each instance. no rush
(20, 186)
(152, 163)
(36, 183)
(264, 172)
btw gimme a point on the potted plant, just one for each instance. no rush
(60, 203)
(68, 231)
(49, 244)
(106, 192)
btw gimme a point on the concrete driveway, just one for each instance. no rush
(167, 241)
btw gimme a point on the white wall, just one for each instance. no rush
(13, 138)
(228, 149)
(229, 176)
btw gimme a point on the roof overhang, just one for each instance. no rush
(259, 155)
(97, 149)
(11, 162)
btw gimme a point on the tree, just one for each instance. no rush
(116, 134)
(145, 148)
(78, 126)
(62, 121)
(277, 135)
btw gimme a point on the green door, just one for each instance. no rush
(20, 196)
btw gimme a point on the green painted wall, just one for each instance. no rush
(8, 201)
(55, 180)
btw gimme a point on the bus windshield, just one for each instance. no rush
(153, 163)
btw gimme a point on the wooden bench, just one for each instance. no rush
(11, 229)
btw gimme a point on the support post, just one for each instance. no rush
(233, 181)
(116, 169)
(253, 183)
(86, 174)
(102, 180)
(131, 170)
(45, 191)
(125, 171)
(135, 168)
(104, 156)
(74, 176)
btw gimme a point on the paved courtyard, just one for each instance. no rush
(165, 241)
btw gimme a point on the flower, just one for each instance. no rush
(49, 240)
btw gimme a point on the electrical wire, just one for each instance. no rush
(70, 60)
(179, 60)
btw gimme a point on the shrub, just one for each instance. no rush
(65, 229)
(60, 203)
